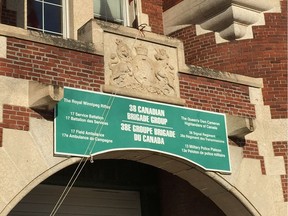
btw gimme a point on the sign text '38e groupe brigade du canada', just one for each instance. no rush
(89, 123)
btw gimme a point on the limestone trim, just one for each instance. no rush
(11, 95)
(143, 19)
(238, 127)
(43, 96)
(224, 76)
(230, 20)
(36, 181)
(129, 93)
(274, 165)
(38, 37)
(219, 178)
(3, 47)
(143, 63)
(142, 68)
(93, 31)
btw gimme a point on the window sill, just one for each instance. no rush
(39, 37)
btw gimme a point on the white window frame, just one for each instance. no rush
(65, 19)
(125, 13)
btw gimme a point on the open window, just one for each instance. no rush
(117, 11)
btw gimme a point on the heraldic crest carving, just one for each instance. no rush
(135, 70)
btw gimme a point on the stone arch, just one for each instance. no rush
(36, 181)
(211, 184)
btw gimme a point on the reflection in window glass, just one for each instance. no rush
(45, 16)
(53, 18)
(54, 1)
(34, 13)
(109, 10)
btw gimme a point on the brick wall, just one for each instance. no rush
(170, 3)
(218, 96)
(281, 149)
(250, 150)
(265, 56)
(154, 10)
(17, 118)
(52, 65)
(49, 65)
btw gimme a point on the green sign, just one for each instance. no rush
(89, 123)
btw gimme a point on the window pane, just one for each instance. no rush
(110, 10)
(59, 2)
(116, 9)
(53, 18)
(34, 14)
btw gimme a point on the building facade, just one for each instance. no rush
(227, 57)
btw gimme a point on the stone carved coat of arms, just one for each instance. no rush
(135, 70)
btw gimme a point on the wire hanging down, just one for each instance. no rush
(83, 160)
(81, 164)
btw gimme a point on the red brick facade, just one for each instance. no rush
(17, 118)
(170, 3)
(250, 150)
(48, 65)
(52, 65)
(281, 149)
(154, 10)
(218, 96)
(264, 56)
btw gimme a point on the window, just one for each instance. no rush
(46, 16)
(117, 11)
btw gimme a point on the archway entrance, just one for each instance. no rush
(120, 184)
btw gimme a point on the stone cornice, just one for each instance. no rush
(230, 20)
